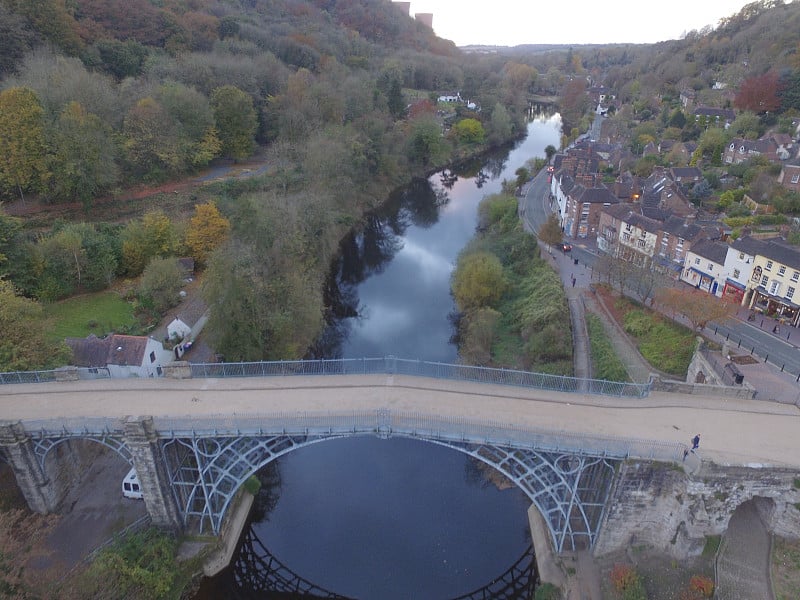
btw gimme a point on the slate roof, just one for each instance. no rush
(685, 172)
(717, 113)
(626, 214)
(681, 228)
(598, 195)
(713, 251)
(115, 349)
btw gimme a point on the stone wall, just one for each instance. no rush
(659, 506)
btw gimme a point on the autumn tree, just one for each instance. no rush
(478, 281)
(574, 102)
(500, 125)
(193, 117)
(550, 232)
(236, 121)
(699, 308)
(207, 230)
(22, 142)
(150, 141)
(759, 94)
(477, 333)
(24, 345)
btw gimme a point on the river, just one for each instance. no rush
(382, 519)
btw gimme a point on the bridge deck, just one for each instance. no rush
(736, 432)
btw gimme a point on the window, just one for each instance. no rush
(782, 271)
(627, 227)
(152, 357)
(795, 275)
(626, 237)
(764, 281)
(641, 243)
(769, 266)
(741, 255)
(710, 267)
(774, 288)
(790, 293)
(736, 273)
(697, 261)
(796, 178)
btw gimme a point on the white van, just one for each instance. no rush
(130, 486)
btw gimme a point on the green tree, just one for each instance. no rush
(500, 126)
(236, 121)
(82, 161)
(193, 117)
(550, 151)
(160, 285)
(23, 334)
(207, 230)
(478, 331)
(395, 100)
(142, 240)
(469, 131)
(426, 146)
(478, 281)
(22, 143)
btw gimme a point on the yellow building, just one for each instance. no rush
(774, 285)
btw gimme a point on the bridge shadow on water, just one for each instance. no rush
(258, 575)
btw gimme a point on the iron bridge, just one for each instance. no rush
(567, 476)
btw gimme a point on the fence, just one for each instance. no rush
(53, 375)
(420, 368)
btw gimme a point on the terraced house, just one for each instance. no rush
(773, 285)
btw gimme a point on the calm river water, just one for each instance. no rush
(381, 519)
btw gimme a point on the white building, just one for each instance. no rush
(704, 267)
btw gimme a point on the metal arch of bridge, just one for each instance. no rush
(44, 442)
(569, 488)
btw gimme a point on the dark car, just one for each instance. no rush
(565, 247)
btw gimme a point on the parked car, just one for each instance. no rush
(565, 247)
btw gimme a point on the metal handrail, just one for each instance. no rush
(432, 427)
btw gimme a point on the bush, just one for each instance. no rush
(627, 583)
(702, 584)
(547, 591)
(605, 362)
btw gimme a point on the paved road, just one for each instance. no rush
(727, 424)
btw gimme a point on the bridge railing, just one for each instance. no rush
(53, 375)
(421, 368)
(382, 422)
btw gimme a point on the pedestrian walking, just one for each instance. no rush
(776, 330)
(573, 281)
(696, 442)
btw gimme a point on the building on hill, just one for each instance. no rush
(716, 117)
(122, 355)
(741, 255)
(583, 208)
(775, 279)
(705, 266)
(790, 175)
(740, 150)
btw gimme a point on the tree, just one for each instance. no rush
(550, 151)
(426, 146)
(22, 144)
(550, 232)
(469, 131)
(236, 121)
(478, 281)
(207, 230)
(500, 126)
(759, 94)
(193, 117)
(477, 331)
(24, 345)
(151, 140)
(142, 240)
(698, 307)
(82, 161)
(160, 285)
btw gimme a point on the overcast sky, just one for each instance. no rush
(513, 22)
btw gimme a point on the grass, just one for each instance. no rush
(786, 569)
(662, 342)
(100, 313)
(605, 362)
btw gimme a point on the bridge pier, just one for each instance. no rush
(148, 460)
(36, 487)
